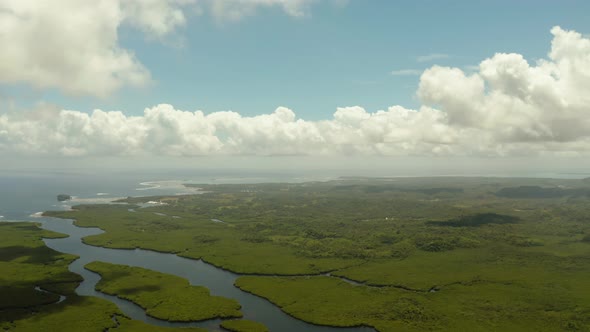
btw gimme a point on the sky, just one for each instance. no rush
(129, 79)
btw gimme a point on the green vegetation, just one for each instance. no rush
(162, 296)
(541, 192)
(432, 253)
(196, 236)
(243, 325)
(26, 263)
(85, 314)
(330, 301)
(477, 306)
(74, 314)
(476, 220)
(129, 325)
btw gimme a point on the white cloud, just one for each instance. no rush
(406, 72)
(163, 130)
(234, 10)
(73, 45)
(516, 102)
(432, 57)
(507, 107)
(156, 17)
(454, 91)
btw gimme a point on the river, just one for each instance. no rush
(23, 195)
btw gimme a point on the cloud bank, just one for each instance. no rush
(508, 107)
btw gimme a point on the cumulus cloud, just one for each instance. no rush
(515, 101)
(156, 17)
(507, 107)
(164, 130)
(74, 45)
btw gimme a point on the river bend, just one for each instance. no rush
(219, 282)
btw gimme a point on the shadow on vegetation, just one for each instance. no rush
(377, 189)
(35, 255)
(476, 220)
(25, 296)
(541, 192)
(37, 310)
(140, 289)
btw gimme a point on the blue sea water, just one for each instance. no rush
(24, 193)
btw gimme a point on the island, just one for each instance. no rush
(63, 197)
(161, 295)
(243, 325)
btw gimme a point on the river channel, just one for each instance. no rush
(23, 195)
(218, 281)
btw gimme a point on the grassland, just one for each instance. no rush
(162, 295)
(243, 325)
(26, 263)
(497, 254)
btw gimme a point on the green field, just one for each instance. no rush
(498, 254)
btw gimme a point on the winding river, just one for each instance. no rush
(218, 281)
(24, 193)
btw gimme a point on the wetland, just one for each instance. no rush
(385, 254)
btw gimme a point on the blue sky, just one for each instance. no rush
(335, 56)
(318, 78)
